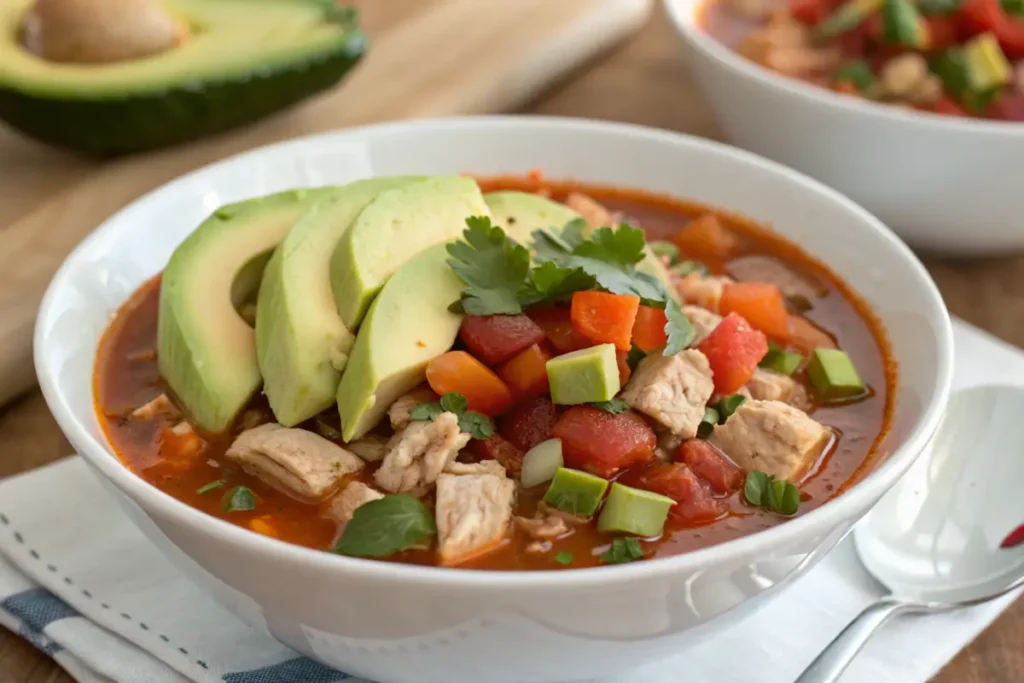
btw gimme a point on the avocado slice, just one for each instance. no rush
(242, 60)
(408, 324)
(634, 511)
(520, 213)
(575, 492)
(396, 225)
(301, 344)
(206, 351)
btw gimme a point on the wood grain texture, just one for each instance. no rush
(643, 82)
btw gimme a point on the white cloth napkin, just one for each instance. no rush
(82, 584)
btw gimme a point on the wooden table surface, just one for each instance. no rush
(643, 81)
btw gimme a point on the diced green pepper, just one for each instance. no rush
(987, 66)
(727, 405)
(662, 248)
(833, 375)
(904, 25)
(847, 17)
(634, 511)
(856, 72)
(784, 362)
(575, 492)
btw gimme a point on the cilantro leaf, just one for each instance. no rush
(563, 558)
(426, 411)
(777, 495)
(477, 425)
(492, 265)
(555, 244)
(454, 402)
(623, 550)
(635, 355)
(678, 328)
(616, 406)
(549, 282)
(623, 247)
(386, 526)
(238, 499)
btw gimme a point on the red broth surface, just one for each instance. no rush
(127, 376)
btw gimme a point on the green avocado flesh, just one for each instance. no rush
(520, 213)
(393, 227)
(586, 376)
(301, 344)
(575, 492)
(206, 351)
(408, 324)
(634, 511)
(243, 60)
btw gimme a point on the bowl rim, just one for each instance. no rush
(822, 519)
(685, 23)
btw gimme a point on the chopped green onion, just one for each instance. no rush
(664, 249)
(206, 488)
(952, 69)
(707, 424)
(783, 362)
(727, 405)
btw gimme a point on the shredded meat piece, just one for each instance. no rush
(473, 513)
(766, 385)
(160, 406)
(569, 518)
(482, 467)
(787, 46)
(592, 211)
(370, 448)
(419, 453)
(543, 527)
(704, 321)
(343, 505)
(672, 390)
(704, 291)
(398, 413)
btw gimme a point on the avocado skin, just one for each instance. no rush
(117, 126)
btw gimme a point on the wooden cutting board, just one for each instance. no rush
(450, 57)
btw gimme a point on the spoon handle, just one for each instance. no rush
(828, 666)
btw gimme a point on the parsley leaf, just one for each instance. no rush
(492, 265)
(777, 495)
(386, 526)
(616, 406)
(623, 550)
(678, 328)
(238, 499)
(475, 424)
(206, 488)
(563, 558)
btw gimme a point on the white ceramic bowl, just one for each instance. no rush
(943, 183)
(399, 623)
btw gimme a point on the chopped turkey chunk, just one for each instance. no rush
(296, 461)
(342, 506)
(766, 385)
(543, 527)
(703, 290)
(473, 514)
(159, 406)
(703, 321)
(398, 413)
(592, 211)
(419, 453)
(482, 467)
(672, 389)
(370, 448)
(773, 437)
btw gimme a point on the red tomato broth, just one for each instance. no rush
(127, 376)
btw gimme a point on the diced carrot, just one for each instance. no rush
(805, 336)
(557, 325)
(526, 373)
(622, 360)
(605, 318)
(496, 338)
(810, 12)
(733, 350)
(649, 328)
(264, 525)
(457, 371)
(761, 303)
(706, 237)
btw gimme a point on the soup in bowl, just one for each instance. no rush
(518, 424)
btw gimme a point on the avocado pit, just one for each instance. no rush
(100, 31)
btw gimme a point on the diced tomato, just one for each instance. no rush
(457, 371)
(942, 32)
(649, 328)
(496, 447)
(602, 443)
(695, 504)
(556, 323)
(1009, 106)
(529, 423)
(760, 303)
(605, 318)
(805, 336)
(982, 16)
(706, 237)
(947, 106)
(622, 360)
(854, 42)
(810, 12)
(711, 466)
(526, 374)
(496, 338)
(733, 349)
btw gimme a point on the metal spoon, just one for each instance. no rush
(933, 540)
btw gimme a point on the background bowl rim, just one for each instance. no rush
(684, 21)
(821, 519)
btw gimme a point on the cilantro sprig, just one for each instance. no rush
(492, 265)
(777, 495)
(475, 424)
(623, 550)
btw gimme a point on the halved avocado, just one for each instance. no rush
(241, 60)
(206, 351)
